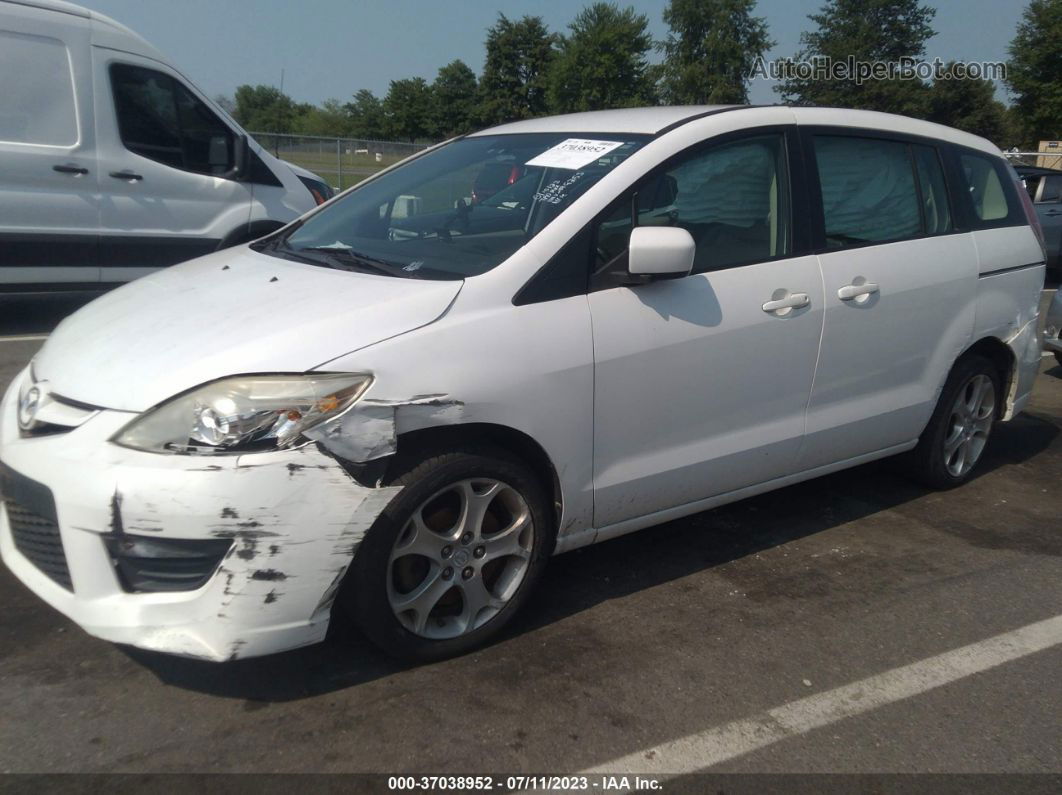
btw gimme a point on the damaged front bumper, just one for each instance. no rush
(292, 519)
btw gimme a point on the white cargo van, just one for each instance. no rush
(112, 163)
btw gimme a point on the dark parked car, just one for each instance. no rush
(1045, 189)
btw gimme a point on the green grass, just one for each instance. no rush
(355, 167)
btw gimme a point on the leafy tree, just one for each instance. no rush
(408, 108)
(265, 109)
(603, 62)
(513, 85)
(454, 100)
(1016, 134)
(710, 50)
(367, 118)
(330, 119)
(867, 31)
(967, 104)
(226, 103)
(1034, 74)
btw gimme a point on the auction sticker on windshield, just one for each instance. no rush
(573, 153)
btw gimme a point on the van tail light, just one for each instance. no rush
(1030, 212)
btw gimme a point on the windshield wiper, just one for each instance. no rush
(345, 259)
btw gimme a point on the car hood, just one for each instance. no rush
(233, 312)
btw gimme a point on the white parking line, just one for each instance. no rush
(712, 746)
(24, 338)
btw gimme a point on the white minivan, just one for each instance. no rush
(112, 164)
(399, 416)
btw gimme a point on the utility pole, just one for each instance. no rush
(276, 138)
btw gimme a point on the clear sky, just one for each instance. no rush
(332, 48)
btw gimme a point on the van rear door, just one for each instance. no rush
(49, 197)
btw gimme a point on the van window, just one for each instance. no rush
(1052, 191)
(868, 190)
(985, 187)
(160, 119)
(36, 91)
(732, 198)
(933, 190)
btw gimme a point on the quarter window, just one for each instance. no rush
(732, 198)
(987, 195)
(36, 91)
(868, 190)
(160, 119)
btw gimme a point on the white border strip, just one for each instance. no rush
(698, 751)
(25, 338)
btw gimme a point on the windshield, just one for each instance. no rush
(457, 211)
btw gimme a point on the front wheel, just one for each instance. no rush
(454, 555)
(955, 438)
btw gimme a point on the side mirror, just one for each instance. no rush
(240, 159)
(661, 252)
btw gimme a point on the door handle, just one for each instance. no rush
(793, 301)
(1053, 212)
(853, 291)
(129, 175)
(68, 169)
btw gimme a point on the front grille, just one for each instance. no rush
(34, 526)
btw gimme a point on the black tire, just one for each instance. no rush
(926, 462)
(364, 596)
(1058, 357)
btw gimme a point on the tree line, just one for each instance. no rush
(603, 60)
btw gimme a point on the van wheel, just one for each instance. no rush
(1058, 357)
(453, 557)
(955, 438)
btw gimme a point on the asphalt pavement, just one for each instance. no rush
(855, 623)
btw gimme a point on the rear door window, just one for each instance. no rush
(868, 190)
(36, 91)
(932, 190)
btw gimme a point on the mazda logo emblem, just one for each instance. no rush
(27, 407)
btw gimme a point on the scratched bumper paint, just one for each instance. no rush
(295, 519)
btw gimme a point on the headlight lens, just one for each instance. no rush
(244, 414)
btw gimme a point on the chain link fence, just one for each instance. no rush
(341, 161)
(347, 161)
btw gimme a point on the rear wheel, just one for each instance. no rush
(453, 557)
(955, 438)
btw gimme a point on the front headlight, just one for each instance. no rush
(245, 414)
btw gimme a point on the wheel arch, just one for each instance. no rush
(1006, 363)
(520, 444)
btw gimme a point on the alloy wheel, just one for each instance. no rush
(460, 558)
(969, 424)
